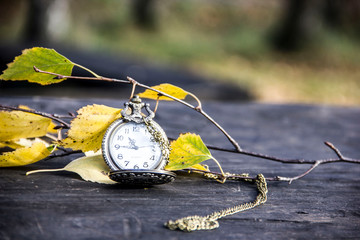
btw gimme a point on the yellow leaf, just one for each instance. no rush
(10, 144)
(51, 127)
(17, 124)
(25, 156)
(22, 142)
(90, 168)
(88, 128)
(187, 151)
(166, 88)
(202, 167)
(24, 107)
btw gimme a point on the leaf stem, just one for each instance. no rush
(44, 170)
(86, 69)
(221, 170)
(196, 98)
(157, 104)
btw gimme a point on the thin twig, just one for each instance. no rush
(337, 152)
(315, 163)
(62, 154)
(134, 82)
(285, 160)
(60, 76)
(234, 143)
(291, 179)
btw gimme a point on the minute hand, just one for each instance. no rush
(130, 147)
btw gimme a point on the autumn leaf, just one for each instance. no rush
(187, 151)
(26, 155)
(90, 168)
(166, 88)
(11, 144)
(22, 142)
(17, 124)
(22, 68)
(51, 128)
(88, 128)
(202, 167)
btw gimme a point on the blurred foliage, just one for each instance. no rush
(229, 41)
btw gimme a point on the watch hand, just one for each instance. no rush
(125, 147)
(132, 144)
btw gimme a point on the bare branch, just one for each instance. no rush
(134, 82)
(315, 163)
(290, 161)
(237, 149)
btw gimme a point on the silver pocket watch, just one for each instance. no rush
(136, 148)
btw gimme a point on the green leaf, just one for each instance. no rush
(22, 68)
(187, 151)
(90, 168)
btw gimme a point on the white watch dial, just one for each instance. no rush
(131, 146)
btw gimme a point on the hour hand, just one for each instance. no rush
(132, 144)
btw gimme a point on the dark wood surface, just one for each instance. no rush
(323, 205)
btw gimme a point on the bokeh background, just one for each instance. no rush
(277, 51)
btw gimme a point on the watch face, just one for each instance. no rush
(130, 145)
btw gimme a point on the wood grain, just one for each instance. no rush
(322, 205)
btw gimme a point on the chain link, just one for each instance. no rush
(193, 223)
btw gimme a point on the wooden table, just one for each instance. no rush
(323, 205)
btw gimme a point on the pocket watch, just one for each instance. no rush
(136, 148)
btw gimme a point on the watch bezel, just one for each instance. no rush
(142, 177)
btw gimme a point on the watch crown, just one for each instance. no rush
(136, 99)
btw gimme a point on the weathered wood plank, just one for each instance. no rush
(324, 204)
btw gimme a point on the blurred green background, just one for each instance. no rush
(293, 51)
